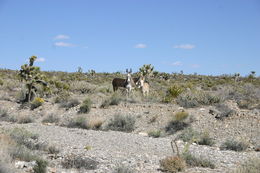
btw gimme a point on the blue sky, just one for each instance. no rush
(204, 36)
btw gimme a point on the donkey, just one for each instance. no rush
(145, 87)
(128, 83)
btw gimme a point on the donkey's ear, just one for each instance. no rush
(126, 70)
(130, 70)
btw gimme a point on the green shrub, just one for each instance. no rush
(115, 99)
(155, 133)
(78, 122)
(85, 106)
(231, 144)
(37, 102)
(172, 93)
(22, 153)
(122, 123)
(181, 116)
(172, 164)
(41, 166)
(193, 161)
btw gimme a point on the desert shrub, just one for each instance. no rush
(51, 118)
(122, 169)
(205, 139)
(4, 116)
(3, 113)
(122, 123)
(179, 122)
(24, 119)
(192, 99)
(22, 153)
(172, 164)
(231, 144)
(37, 102)
(85, 106)
(224, 111)
(189, 135)
(172, 93)
(193, 161)
(78, 122)
(52, 149)
(95, 123)
(73, 161)
(62, 97)
(41, 166)
(250, 166)
(70, 103)
(155, 133)
(1, 82)
(115, 99)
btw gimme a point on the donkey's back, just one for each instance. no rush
(118, 82)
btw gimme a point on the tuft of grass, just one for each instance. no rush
(37, 102)
(231, 144)
(41, 166)
(95, 123)
(193, 161)
(78, 122)
(78, 162)
(51, 118)
(155, 133)
(179, 122)
(52, 150)
(22, 153)
(115, 99)
(121, 123)
(205, 139)
(85, 106)
(172, 164)
(25, 119)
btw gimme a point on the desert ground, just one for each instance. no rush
(77, 123)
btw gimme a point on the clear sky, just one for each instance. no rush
(204, 36)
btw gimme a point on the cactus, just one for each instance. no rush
(31, 75)
(146, 70)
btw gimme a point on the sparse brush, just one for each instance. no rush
(78, 122)
(193, 161)
(24, 119)
(172, 164)
(78, 162)
(189, 135)
(122, 123)
(250, 166)
(205, 139)
(95, 123)
(113, 100)
(231, 144)
(85, 106)
(22, 153)
(51, 118)
(53, 150)
(70, 103)
(41, 166)
(179, 122)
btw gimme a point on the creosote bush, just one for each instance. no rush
(41, 166)
(172, 164)
(155, 133)
(51, 118)
(124, 123)
(85, 106)
(78, 122)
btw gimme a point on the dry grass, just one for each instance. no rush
(172, 164)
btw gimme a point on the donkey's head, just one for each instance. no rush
(129, 77)
(140, 82)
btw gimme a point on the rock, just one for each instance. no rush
(143, 134)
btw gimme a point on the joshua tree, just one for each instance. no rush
(146, 70)
(31, 75)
